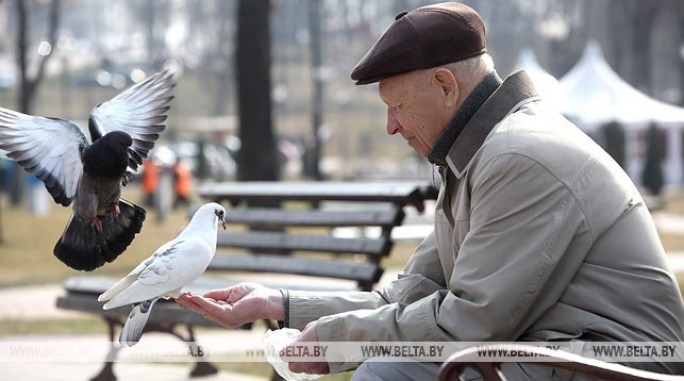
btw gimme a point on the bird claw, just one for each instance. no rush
(115, 209)
(126, 179)
(97, 224)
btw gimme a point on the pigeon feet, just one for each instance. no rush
(126, 179)
(96, 224)
(114, 207)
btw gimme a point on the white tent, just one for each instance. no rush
(592, 94)
(546, 84)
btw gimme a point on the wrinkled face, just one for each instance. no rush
(413, 110)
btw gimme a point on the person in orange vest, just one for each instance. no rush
(182, 183)
(150, 182)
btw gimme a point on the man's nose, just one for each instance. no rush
(393, 125)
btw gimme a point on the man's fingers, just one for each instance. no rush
(195, 303)
(230, 295)
(309, 367)
(296, 367)
(221, 294)
(184, 300)
(212, 306)
(233, 293)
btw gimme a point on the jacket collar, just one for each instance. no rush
(515, 90)
(471, 104)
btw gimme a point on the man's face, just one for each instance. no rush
(413, 109)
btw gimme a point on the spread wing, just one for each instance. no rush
(46, 147)
(140, 111)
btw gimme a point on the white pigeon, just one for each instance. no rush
(163, 275)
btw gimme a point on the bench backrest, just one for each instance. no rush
(303, 242)
(301, 236)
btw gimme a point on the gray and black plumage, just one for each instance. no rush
(122, 130)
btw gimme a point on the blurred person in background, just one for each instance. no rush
(182, 183)
(149, 182)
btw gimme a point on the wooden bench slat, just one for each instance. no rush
(400, 193)
(166, 312)
(99, 284)
(91, 287)
(360, 272)
(278, 217)
(261, 240)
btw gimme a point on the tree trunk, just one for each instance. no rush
(225, 10)
(313, 157)
(28, 86)
(641, 45)
(257, 158)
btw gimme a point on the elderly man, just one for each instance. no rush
(539, 235)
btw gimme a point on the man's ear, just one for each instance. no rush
(449, 89)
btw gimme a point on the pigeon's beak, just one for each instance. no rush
(223, 222)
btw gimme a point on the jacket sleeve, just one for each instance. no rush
(421, 277)
(522, 221)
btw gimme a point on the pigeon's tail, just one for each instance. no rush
(82, 247)
(135, 325)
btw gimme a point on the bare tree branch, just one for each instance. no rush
(29, 86)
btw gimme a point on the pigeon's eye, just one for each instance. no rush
(219, 213)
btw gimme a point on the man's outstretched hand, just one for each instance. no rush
(237, 305)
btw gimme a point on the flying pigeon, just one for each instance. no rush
(123, 130)
(163, 275)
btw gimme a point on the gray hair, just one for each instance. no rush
(471, 70)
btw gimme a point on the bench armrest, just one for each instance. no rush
(456, 364)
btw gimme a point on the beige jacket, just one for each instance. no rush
(539, 235)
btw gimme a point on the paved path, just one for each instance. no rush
(75, 369)
(33, 302)
(124, 372)
(669, 223)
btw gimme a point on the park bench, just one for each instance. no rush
(455, 365)
(297, 239)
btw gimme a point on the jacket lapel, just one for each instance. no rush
(515, 91)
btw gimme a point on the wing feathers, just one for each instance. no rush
(140, 111)
(135, 324)
(118, 287)
(47, 147)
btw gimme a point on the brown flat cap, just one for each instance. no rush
(426, 37)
